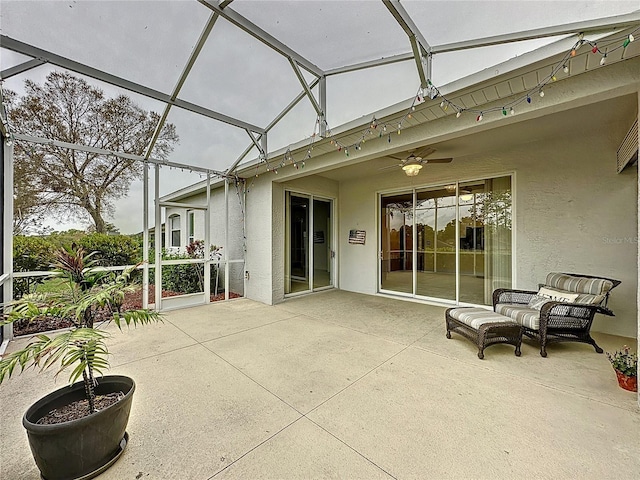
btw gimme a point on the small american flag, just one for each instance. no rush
(357, 237)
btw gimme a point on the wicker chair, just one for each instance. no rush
(558, 321)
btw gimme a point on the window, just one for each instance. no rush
(174, 226)
(190, 226)
(449, 242)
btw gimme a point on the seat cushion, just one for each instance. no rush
(476, 316)
(570, 283)
(521, 314)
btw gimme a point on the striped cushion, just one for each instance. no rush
(589, 299)
(476, 316)
(593, 286)
(525, 316)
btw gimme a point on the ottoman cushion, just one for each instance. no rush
(476, 316)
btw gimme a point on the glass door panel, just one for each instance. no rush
(322, 248)
(471, 243)
(485, 243)
(396, 243)
(297, 255)
(436, 243)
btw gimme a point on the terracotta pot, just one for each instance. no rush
(627, 382)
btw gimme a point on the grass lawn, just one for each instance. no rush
(53, 285)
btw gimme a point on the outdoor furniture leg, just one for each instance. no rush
(482, 335)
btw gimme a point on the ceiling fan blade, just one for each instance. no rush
(437, 160)
(388, 167)
(396, 158)
(424, 152)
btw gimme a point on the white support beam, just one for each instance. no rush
(263, 143)
(7, 230)
(23, 67)
(158, 241)
(207, 245)
(322, 90)
(306, 88)
(235, 164)
(597, 25)
(4, 122)
(255, 143)
(145, 236)
(189, 206)
(273, 122)
(225, 250)
(259, 34)
(291, 105)
(418, 59)
(419, 44)
(77, 67)
(181, 79)
(403, 57)
(101, 151)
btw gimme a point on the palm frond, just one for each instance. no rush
(136, 317)
(84, 346)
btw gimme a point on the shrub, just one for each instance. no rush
(113, 250)
(30, 254)
(188, 278)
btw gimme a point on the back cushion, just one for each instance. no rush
(593, 286)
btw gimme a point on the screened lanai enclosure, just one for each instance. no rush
(264, 88)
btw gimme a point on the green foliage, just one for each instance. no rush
(188, 278)
(111, 250)
(82, 349)
(624, 362)
(66, 238)
(185, 278)
(30, 254)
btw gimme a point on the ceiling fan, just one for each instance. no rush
(416, 159)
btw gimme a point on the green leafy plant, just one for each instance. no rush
(30, 254)
(112, 250)
(93, 293)
(624, 362)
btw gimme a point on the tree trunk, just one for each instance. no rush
(89, 391)
(96, 216)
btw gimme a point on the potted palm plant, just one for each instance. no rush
(625, 364)
(77, 431)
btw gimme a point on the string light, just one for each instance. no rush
(432, 92)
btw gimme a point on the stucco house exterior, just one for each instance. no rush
(525, 194)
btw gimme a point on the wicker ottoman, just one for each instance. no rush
(483, 327)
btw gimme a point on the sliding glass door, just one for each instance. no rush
(436, 246)
(309, 254)
(450, 243)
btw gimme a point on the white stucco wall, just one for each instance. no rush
(573, 213)
(260, 251)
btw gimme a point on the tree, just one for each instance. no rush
(63, 181)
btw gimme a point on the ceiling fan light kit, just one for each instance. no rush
(412, 169)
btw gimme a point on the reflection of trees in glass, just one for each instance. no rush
(493, 209)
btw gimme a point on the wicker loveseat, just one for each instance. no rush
(561, 311)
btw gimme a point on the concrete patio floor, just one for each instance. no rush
(342, 385)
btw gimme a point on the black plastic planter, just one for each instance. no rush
(83, 448)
